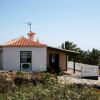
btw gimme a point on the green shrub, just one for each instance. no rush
(47, 88)
(34, 78)
(22, 78)
(43, 78)
(6, 82)
(56, 72)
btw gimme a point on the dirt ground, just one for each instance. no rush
(69, 78)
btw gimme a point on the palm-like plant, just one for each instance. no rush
(69, 46)
(88, 57)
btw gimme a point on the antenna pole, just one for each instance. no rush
(29, 24)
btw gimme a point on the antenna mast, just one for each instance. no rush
(29, 24)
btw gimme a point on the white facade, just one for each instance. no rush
(85, 69)
(11, 58)
(89, 71)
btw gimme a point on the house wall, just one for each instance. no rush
(11, 58)
(62, 61)
(62, 58)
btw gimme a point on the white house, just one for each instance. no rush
(27, 54)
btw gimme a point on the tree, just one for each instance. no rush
(69, 46)
(93, 57)
(87, 57)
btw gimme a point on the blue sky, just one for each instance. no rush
(54, 21)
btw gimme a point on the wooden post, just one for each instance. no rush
(74, 64)
(66, 61)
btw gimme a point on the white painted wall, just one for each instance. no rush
(86, 69)
(78, 65)
(11, 58)
(89, 70)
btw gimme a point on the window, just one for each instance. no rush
(25, 59)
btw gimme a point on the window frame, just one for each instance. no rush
(30, 61)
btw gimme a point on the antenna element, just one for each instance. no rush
(29, 24)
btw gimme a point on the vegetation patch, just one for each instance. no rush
(42, 86)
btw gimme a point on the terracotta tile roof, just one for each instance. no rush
(21, 42)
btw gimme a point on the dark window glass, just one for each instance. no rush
(25, 57)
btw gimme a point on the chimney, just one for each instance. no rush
(31, 35)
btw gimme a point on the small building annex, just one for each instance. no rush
(27, 54)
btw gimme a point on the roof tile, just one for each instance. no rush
(22, 41)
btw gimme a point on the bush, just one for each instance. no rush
(43, 78)
(22, 78)
(56, 72)
(61, 92)
(34, 78)
(46, 88)
(6, 82)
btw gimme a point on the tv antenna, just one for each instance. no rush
(29, 24)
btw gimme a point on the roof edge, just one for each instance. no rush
(23, 46)
(69, 51)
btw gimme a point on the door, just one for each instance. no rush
(54, 62)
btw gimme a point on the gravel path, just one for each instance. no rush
(70, 80)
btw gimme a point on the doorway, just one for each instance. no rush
(54, 63)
